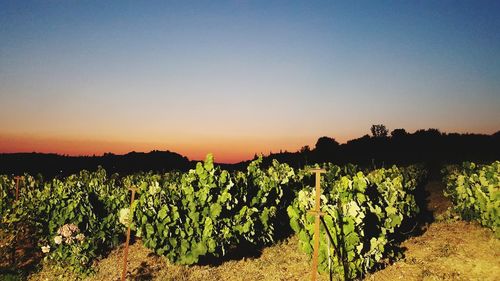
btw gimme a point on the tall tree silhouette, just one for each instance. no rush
(379, 131)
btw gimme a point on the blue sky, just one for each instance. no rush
(239, 77)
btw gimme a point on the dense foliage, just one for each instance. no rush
(88, 202)
(475, 192)
(362, 211)
(7, 189)
(184, 216)
(209, 212)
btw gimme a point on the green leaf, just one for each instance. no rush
(149, 230)
(162, 213)
(215, 210)
(209, 162)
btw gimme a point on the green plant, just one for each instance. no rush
(87, 201)
(208, 211)
(475, 192)
(361, 214)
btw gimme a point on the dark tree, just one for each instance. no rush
(429, 133)
(326, 144)
(379, 131)
(397, 133)
(326, 148)
(305, 149)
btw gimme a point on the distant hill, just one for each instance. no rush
(381, 149)
(53, 164)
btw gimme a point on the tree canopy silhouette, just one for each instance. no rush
(326, 148)
(399, 133)
(428, 146)
(379, 131)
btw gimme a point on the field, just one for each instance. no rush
(249, 140)
(436, 245)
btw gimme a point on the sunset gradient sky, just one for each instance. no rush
(241, 77)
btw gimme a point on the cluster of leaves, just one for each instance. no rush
(7, 197)
(208, 211)
(8, 191)
(90, 201)
(475, 192)
(8, 231)
(361, 211)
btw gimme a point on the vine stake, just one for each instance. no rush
(17, 178)
(125, 253)
(317, 212)
(14, 244)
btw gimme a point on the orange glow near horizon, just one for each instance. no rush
(225, 149)
(230, 150)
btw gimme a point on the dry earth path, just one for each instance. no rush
(448, 249)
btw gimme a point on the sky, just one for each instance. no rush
(237, 78)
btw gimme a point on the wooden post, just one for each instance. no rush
(14, 244)
(317, 212)
(125, 253)
(17, 178)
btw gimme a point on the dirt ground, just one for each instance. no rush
(444, 248)
(448, 249)
(279, 262)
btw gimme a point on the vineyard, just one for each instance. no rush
(362, 214)
(209, 213)
(475, 192)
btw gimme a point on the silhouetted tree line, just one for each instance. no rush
(50, 165)
(380, 149)
(429, 146)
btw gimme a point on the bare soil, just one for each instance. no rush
(280, 262)
(448, 249)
